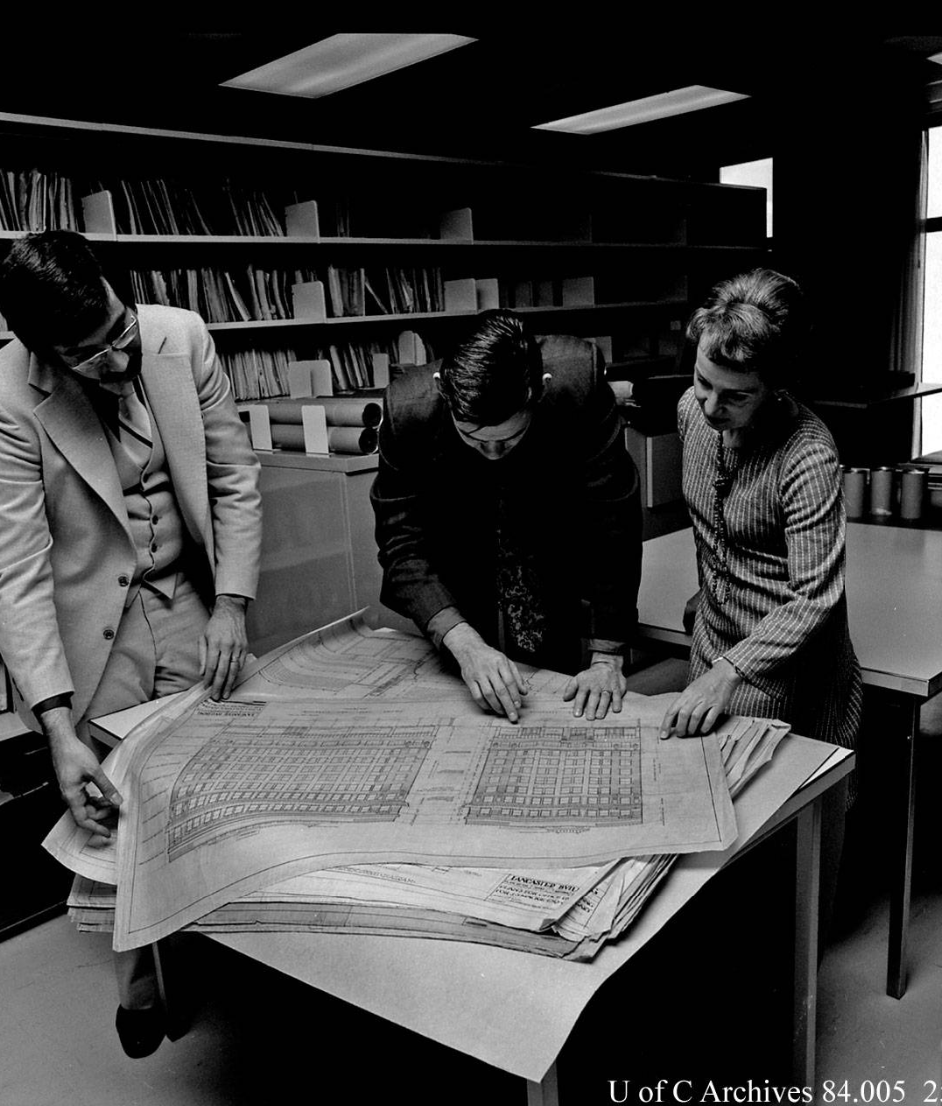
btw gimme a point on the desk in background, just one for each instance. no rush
(894, 593)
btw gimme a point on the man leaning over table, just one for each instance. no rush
(131, 530)
(508, 514)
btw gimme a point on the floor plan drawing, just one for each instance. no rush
(287, 773)
(574, 773)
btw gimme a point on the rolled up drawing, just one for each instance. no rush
(340, 410)
(341, 439)
(288, 436)
(352, 439)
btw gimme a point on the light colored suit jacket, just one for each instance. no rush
(66, 551)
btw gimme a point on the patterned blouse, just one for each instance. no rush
(768, 521)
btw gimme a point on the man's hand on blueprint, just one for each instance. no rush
(92, 797)
(493, 679)
(223, 644)
(597, 688)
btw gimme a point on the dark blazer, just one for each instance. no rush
(569, 487)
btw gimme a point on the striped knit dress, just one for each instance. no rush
(768, 521)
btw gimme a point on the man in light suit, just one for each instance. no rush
(131, 519)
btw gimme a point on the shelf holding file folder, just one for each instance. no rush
(277, 245)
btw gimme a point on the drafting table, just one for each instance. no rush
(894, 592)
(517, 1009)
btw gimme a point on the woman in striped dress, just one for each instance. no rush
(762, 482)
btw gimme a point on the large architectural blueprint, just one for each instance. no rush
(233, 796)
(351, 747)
(560, 912)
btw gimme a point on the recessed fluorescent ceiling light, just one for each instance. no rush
(341, 61)
(678, 102)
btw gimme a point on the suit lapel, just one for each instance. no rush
(171, 393)
(72, 424)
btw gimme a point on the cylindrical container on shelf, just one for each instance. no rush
(352, 439)
(340, 410)
(882, 491)
(340, 439)
(855, 491)
(914, 484)
(285, 436)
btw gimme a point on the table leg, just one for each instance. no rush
(901, 875)
(544, 1093)
(807, 901)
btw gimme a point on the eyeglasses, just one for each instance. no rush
(92, 365)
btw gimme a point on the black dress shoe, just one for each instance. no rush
(140, 1031)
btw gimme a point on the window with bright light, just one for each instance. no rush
(932, 313)
(758, 174)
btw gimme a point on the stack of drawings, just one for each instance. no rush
(357, 683)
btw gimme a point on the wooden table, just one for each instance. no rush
(894, 592)
(516, 1010)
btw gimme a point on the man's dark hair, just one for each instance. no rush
(755, 322)
(494, 373)
(51, 289)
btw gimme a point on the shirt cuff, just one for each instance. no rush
(604, 645)
(235, 595)
(441, 622)
(62, 700)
